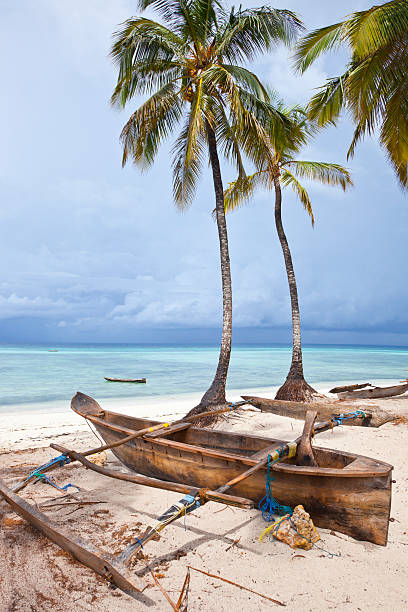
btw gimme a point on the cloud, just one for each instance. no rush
(17, 306)
(91, 251)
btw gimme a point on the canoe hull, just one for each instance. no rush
(354, 500)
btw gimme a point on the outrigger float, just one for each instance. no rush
(342, 491)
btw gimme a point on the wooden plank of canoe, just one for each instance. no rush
(103, 563)
(297, 410)
(156, 483)
(163, 441)
(375, 392)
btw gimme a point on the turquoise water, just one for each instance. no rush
(31, 374)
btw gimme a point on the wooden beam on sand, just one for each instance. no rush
(375, 416)
(102, 562)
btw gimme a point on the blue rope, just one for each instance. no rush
(339, 418)
(44, 478)
(190, 504)
(61, 460)
(232, 406)
(269, 506)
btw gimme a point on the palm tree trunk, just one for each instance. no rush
(295, 387)
(215, 395)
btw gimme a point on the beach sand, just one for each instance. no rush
(35, 575)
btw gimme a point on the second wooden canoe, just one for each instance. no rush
(375, 392)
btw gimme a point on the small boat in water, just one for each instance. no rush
(125, 380)
(346, 492)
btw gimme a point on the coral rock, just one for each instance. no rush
(98, 458)
(299, 532)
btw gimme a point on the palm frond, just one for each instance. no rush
(141, 43)
(227, 139)
(247, 79)
(377, 27)
(311, 46)
(247, 33)
(148, 76)
(245, 107)
(327, 104)
(287, 179)
(394, 132)
(204, 15)
(146, 128)
(175, 13)
(373, 87)
(188, 156)
(323, 172)
(241, 191)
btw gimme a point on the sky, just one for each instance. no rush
(92, 252)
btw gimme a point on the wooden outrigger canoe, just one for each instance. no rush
(342, 491)
(347, 492)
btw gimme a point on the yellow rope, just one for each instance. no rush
(292, 449)
(273, 526)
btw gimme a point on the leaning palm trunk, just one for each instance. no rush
(215, 395)
(295, 387)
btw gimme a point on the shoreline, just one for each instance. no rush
(24, 427)
(124, 402)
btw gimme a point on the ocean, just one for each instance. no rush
(31, 374)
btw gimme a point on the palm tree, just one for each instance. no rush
(277, 167)
(374, 85)
(190, 68)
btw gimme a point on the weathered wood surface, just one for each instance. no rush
(125, 380)
(103, 563)
(87, 407)
(376, 416)
(216, 496)
(350, 388)
(305, 454)
(375, 392)
(352, 501)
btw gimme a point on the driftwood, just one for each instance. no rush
(375, 392)
(125, 380)
(350, 388)
(375, 416)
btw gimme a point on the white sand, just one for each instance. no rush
(36, 576)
